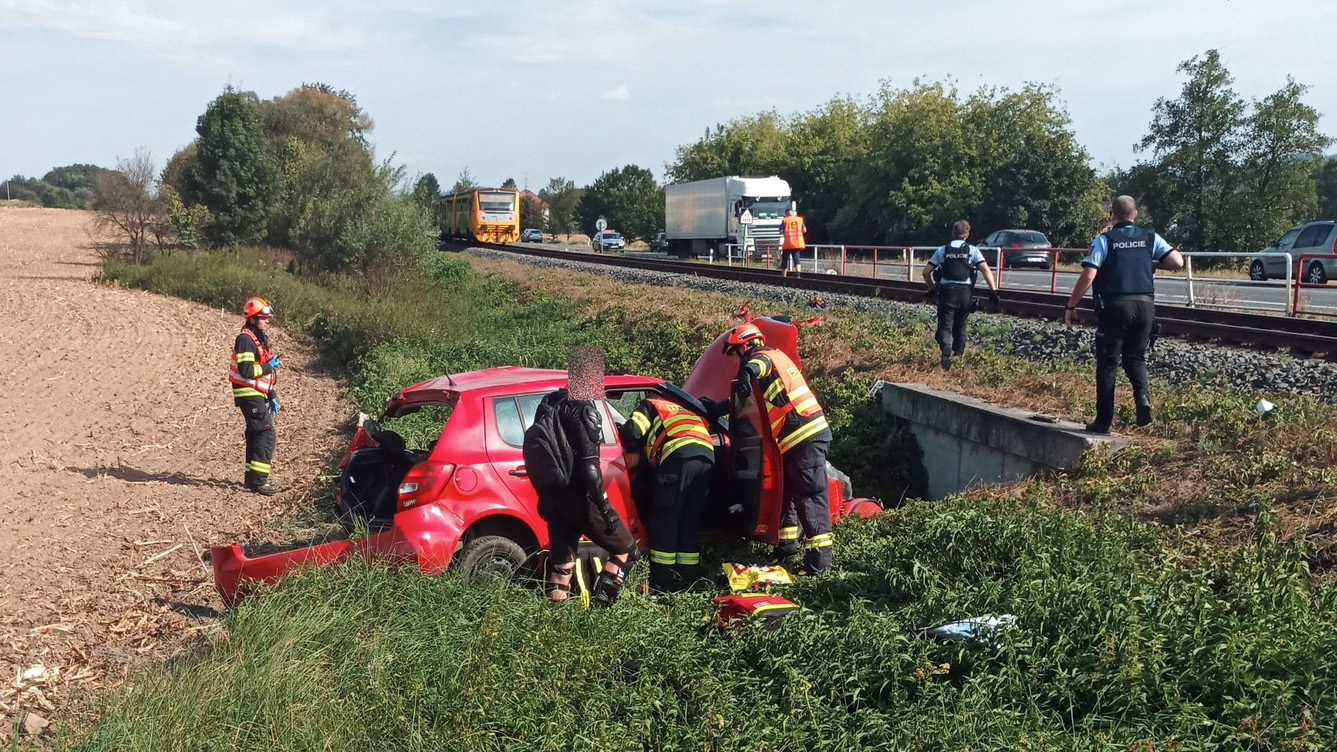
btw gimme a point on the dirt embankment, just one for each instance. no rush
(120, 459)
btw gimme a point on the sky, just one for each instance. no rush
(536, 89)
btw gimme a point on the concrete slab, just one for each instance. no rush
(967, 440)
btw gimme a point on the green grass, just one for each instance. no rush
(1125, 635)
(1130, 636)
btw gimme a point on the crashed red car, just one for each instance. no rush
(465, 501)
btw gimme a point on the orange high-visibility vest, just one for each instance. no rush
(791, 229)
(672, 428)
(244, 363)
(785, 391)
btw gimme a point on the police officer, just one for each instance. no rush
(676, 445)
(1119, 270)
(252, 374)
(955, 265)
(800, 430)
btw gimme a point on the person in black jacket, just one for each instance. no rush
(1120, 270)
(583, 507)
(252, 374)
(955, 265)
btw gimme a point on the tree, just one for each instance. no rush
(510, 183)
(465, 182)
(533, 212)
(627, 197)
(1280, 150)
(126, 204)
(1193, 140)
(427, 194)
(562, 196)
(1326, 179)
(234, 176)
(315, 114)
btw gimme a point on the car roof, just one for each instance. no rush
(500, 380)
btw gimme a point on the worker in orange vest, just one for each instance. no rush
(792, 243)
(675, 442)
(252, 375)
(799, 427)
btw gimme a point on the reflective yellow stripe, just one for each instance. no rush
(789, 533)
(686, 558)
(663, 557)
(682, 418)
(245, 357)
(821, 540)
(672, 446)
(807, 431)
(246, 391)
(259, 467)
(763, 366)
(259, 370)
(773, 391)
(641, 422)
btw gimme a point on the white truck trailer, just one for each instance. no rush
(703, 215)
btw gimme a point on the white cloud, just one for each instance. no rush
(619, 93)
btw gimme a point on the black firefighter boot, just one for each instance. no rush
(260, 483)
(608, 587)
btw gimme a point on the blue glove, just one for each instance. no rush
(273, 405)
(274, 362)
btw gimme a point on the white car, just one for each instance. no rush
(608, 240)
(1309, 240)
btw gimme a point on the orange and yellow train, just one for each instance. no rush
(490, 215)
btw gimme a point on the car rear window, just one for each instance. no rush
(1029, 237)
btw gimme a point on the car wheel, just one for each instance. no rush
(1256, 272)
(492, 557)
(1315, 274)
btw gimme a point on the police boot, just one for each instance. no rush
(1143, 402)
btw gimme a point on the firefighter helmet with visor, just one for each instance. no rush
(257, 306)
(742, 337)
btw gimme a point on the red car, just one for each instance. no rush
(466, 502)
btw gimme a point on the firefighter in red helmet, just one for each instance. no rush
(800, 430)
(252, 374)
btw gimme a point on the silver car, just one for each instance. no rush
(1309, 239)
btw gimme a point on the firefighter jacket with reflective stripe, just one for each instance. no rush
(250, 373)
(792, 409)
(791, 233)
(662, 428)
(1127, 269)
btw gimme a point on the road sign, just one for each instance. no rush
(600, 224)
(745, 218)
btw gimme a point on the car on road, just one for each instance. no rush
(659, 243)
(1020, 248)
(531, 236)
(608, 240)
(439, 481)
(1311, 239)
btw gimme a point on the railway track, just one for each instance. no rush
(1307, 337)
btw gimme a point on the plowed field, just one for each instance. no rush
(120, 460)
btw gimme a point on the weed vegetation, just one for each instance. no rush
(1176, 596)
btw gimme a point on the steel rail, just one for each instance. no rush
(1304, 336)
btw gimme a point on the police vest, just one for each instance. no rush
(673, 427)
(792, 234)
(792, 410)
(1127, 268)
(244, 365)
(956, 263)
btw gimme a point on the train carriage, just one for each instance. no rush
(490, 215)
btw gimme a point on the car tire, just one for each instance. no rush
(492, 556)
(1256, 271)
(1315, 274)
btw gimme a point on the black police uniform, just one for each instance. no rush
(954, 299)
(1125, 311)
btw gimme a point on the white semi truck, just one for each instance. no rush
(702, 215)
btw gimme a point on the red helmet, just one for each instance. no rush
(257, 306)
(741, 336)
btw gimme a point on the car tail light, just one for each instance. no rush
(423, 482)
(1334, 245)
(1014, 245)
